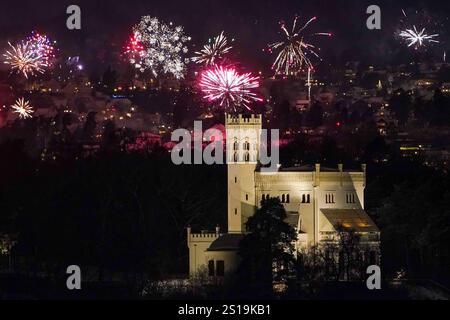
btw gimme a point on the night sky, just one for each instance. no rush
(254, 24)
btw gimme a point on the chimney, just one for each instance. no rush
(317, 175)
(364, 169)
(189, 232)
(218, 231)
(341, 170)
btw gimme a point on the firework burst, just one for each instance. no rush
(229, 88)
(213, 51)
(295, 52)
(30, 56)
(158, 47)
(42, 47)
(136, 53)
(23, 59)
(414, 30)
(416, 38)
(23, 108)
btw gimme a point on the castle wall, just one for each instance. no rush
(198, 244)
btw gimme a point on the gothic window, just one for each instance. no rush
(236, 157)
(351, 198)
(246, 145)
(288, 198)
(283, 198)
(329, 198)
(235, 145)
(306, 198)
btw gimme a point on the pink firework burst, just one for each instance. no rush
(42, 46)
(135, 51)
(228, 88)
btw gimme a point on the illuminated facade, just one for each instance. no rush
(318, 200)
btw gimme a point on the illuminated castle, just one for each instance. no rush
(317, 200)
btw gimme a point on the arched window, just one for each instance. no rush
(235, 145)
(246, 145)
(288, 199)
(283, 199)
(247, 157)
(236, 157)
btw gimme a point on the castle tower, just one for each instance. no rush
(243, 135)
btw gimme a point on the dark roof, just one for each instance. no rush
(351, 219)
(307, 168)
(310, 168)
(226, 242)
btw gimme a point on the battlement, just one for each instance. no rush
(204, 236)
(242, 119)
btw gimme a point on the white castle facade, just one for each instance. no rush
(318, 200)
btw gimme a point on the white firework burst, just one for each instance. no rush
(163, 47)
(213, 51)
(295, 51)
(418, 38)
(23, 108)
